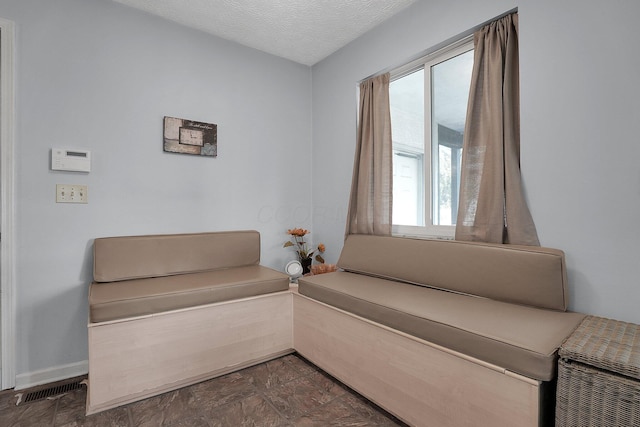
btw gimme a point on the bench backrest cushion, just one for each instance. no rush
(135, 257)
(528, 275)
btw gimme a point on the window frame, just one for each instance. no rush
(429, 230)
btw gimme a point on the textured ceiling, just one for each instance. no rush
(304, 31)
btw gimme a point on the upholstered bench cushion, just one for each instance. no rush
(528, 275)
(519, 338)
(129, 298)
(137, 257)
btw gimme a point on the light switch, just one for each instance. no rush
(71, 193)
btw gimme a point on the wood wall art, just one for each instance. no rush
(190, 137)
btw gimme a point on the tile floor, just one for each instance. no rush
(288, 391)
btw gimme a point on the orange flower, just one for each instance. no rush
(301, 247)
(300, 232)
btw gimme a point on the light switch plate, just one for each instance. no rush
(71, 193)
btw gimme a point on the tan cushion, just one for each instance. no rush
(122, 299)
(515, 337)
(522, 274)
(134, 257)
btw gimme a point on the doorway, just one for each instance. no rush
(7, 195)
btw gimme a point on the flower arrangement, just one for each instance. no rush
(302, 249)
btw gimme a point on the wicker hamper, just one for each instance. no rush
(599, 375)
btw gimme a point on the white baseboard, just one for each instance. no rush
(50, 375)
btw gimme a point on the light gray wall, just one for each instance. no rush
(96, 75)
(579, 131)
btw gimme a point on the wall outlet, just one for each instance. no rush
(68, 193)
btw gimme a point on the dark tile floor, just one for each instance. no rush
(288, 391)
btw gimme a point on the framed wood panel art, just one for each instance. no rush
(190, 137)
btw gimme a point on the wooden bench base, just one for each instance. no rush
(419, 382)
(132, 359)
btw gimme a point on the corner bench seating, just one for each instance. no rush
(435, 332)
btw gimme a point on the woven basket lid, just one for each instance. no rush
(607, 344)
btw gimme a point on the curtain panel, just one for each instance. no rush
(492, 207)
(371, 201)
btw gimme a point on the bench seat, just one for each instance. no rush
(167, 311)
(438, 332)
(138, 297)
(519, 338)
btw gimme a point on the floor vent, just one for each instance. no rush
(50, 392)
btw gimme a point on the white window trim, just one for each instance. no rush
(429, 230)
(7, 195)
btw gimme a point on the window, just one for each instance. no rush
(428, 101)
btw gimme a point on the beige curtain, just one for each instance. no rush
(492, 207)
(370, 205)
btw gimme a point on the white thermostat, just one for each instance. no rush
(70, 160)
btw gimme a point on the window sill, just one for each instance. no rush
(439, 232)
